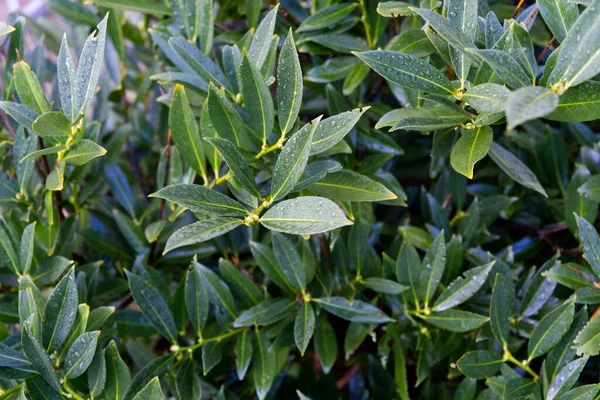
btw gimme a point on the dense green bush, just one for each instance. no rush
(320, 200)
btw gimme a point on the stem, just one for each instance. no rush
(72, 392)
(8, 391)
(266, 150)
(217, 338)
(509, 357)
(222, 179)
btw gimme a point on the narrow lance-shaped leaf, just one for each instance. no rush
(432, 268)
(263, 370)
(196, 298)
(202, 231)
(590, 242)
(455, 320)
(201, 199)
(471, 147)
(348, 185)
(28, 88)
(581, 61)
(559, 16)
(529, 103)
(153, 369)
(326, 17)
(463, 14)
(304, 326)
(185, 132)
(225, 118)
(117, 373)
(507, 68)
(289, 261)
(480, 364)
(236, 163)
(463, 287)
(357, 311)
(332, 130)
(261, 41)
(408, 71)
(243, 353)
(96, 374)
(38, 358)
(60, 312)
(257, 99)
(81, 354)
(88, 70)
(153, 306)
(515, 168)
(292, 160)
(65, 69)
(551, 329)
(501, 308)
(83, 152)
(289, 85)
(152, 391)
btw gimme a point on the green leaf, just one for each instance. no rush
(201, 200)
(38, 358)
(447, 30)
(152, 7)
(264, 367)
(407, 71)
(538, 291)
(463, 287)
(340, 42)
(117, 373)
(407, 270)
(8, 250)
(80, 355)
(529, 103)
(590, 242)
(59, 313)
(219, 293)
(480, 364)
(332, 130)
(224, 116)
(88, 69)
(28, 88)
(243, 353)
(153, 306)
(551, 329)
(355, 311)
(292, 161)
(289, 261)
(212, 353)
(385, 286)
(423, 119)
(559, 16)
(471, 147)
(198, 63)
(304, 326)
(455, 320)
(242, 286)
(202, 231)
(261, 41)
(412, 41)
(577, 104)
(463, 14)
(66, 78)
(5, 29)
(587, 341)
(237, 165)
(325, 344)
(185, 132)
(14, 364)
(501, 308)
(566, 378)
(153, 369)
(196, 298)
(586, 392)
(265, 258)
(266, 312)
(487, 97)
(120, 188)
(52, 124)
(187, 382)
(347, 185)
(289, 85)
(205, 25)
(24, 115)
(515, 168)
(432, 269)
(394, 9)
(152, 391)
(580, 61)
(326, 17)
(505, 66)
(257, 99)
(98, 317)
(27, 248)
(83, 152)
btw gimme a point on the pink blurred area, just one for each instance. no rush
(29, 8)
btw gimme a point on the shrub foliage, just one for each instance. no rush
(325, 199)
